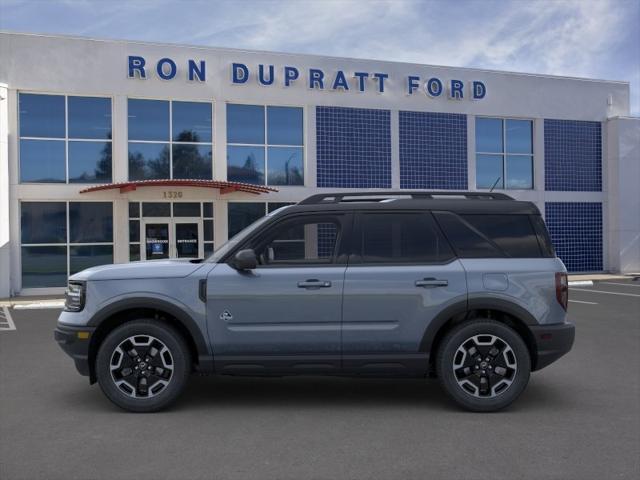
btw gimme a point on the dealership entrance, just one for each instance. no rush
(172, 238)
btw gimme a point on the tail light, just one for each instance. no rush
(562, 289)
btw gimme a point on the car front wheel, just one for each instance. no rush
(143, 365)
(484, 365)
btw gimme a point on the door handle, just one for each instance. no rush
(314, 283)
(431, 283)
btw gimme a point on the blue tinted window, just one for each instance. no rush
(148, 120)
(134, 253)
(89, 162)
(285, 166)
(90, 222)
(207, 210)
(42, 161)
(489, 135)
(519, 172)
(241, 215)
(148, 161)
(245, 124)
(43, 222)
(519, 136)
(284, 126)
(245, 164)
(186, 209)
(44, 267)
(89, 117)
(208, 230)
(489, 171)
(87, 256)
(191, 122)
(41, 115)
(192, 161)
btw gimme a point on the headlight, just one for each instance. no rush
(74, 297)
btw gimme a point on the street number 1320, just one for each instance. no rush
(172, 194)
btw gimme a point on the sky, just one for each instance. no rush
(579, 38)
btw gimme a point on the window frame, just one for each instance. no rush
(67, 243)
(504, 154)
(356, 257)
(169, 141)
(266, 145)
(66, 139)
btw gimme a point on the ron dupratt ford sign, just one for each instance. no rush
(314, 78)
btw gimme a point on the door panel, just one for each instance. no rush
(266, 313)
(157, 245)
(386, 309)
(188, 236)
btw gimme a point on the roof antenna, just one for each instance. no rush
(494, 184)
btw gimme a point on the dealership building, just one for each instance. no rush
(118, 151)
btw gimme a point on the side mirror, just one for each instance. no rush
(245, 260)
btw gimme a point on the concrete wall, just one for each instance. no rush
(623, 152)
(5, 269)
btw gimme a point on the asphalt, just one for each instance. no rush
(578, 418)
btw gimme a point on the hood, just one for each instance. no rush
(176, 268)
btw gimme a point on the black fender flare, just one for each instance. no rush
(464, 307)
(185, 319)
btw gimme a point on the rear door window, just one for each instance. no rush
(394, 238)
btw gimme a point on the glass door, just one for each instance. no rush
(156, 239)
(187, 233)
(172, 238)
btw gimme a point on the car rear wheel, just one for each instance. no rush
(143, 365)
(484, 365)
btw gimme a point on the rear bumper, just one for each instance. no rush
(552, 342)
(75, 345)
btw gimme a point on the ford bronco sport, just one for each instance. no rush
(461, 285)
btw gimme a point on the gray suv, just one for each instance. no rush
(464, 286)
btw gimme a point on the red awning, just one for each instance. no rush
(224, 187)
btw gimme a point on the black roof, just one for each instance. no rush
(457, 202)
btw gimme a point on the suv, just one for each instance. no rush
(464, 286)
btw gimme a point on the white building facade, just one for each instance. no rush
(114, 151)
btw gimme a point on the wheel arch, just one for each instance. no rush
(124, 311)
(500, 310)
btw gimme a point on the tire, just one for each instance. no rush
(461, 369)
(146, 346)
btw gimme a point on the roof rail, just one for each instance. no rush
(384, 195)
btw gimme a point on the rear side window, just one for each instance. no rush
(482, 236)
(543, 236)
(402, 238)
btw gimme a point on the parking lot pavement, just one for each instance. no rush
(578, 418)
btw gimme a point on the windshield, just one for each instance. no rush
(239, 237)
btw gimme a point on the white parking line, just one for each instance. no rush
(40, 305)
(609, 293)
(580, 301)
(623, 284)
(6, 322)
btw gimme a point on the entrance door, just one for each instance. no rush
(156, 239)
(172, 238)
(188, 238)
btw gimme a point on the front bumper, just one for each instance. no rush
(75, 343)
(552, 342)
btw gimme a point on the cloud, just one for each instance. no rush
(588, 38)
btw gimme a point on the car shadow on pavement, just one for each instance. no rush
(318, 393)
